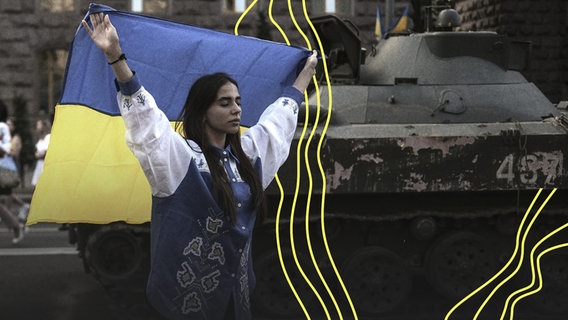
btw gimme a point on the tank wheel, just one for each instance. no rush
(552, 297)
(377, 280)
(113, 252)
(272, 295)
(459, 262)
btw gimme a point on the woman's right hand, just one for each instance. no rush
(104, 35)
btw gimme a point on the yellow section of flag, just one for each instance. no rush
(90, 175)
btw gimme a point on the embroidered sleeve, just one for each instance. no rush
(270, 139)
(162, 153)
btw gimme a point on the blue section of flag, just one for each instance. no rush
(168, 57)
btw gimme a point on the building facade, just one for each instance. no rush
(543, 23)
(35, 34)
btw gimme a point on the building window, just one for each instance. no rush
(332, 7)
(150, 6)
(57, 5)
(329, 6)
(137, 5)
(52, 70)
(236, 6)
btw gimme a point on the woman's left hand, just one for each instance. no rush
(309, 70)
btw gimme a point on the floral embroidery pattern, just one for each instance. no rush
(141, 99)
(217, 253)
(210, 282)
(185, 276)
(245, 300)
(244, 281)
(213, 225)
(127, 104)
(194, 247)
(191, 303)
(293, 106)
(201, 270)
(201, 164)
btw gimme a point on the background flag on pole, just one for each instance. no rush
(90, 175)
(400, 25)
(379, 29)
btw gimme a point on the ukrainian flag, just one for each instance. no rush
(379, 28)
(90, 175)
(400, 25)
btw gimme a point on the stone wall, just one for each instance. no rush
(543, 23)
(24, 35)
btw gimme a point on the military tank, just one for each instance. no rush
(434, 148)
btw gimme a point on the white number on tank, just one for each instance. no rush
(530, 166)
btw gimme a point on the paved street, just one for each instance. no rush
(42, 278)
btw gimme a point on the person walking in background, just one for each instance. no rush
(15, 143)
(15, 150)
(43, 131)
(7, 217)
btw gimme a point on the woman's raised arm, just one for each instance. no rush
(105, 37)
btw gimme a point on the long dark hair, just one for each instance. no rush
(201, 96)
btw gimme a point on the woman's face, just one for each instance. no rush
(11, 125)
(224, 115)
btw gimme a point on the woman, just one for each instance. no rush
(15, 150)
(43, 131)
(207, 184)
(5, 214)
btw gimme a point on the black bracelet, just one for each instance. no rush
(121, 57)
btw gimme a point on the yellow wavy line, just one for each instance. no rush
(320, 166)
(563, 245)
(292, 214)
(309, 171)
(521, 256)
(296, 192)
(278, 183)
(533, 276)
(238, 24)
(278, 215)
(279, 248)
(457, 305)
(308, 205)
(279, 245)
